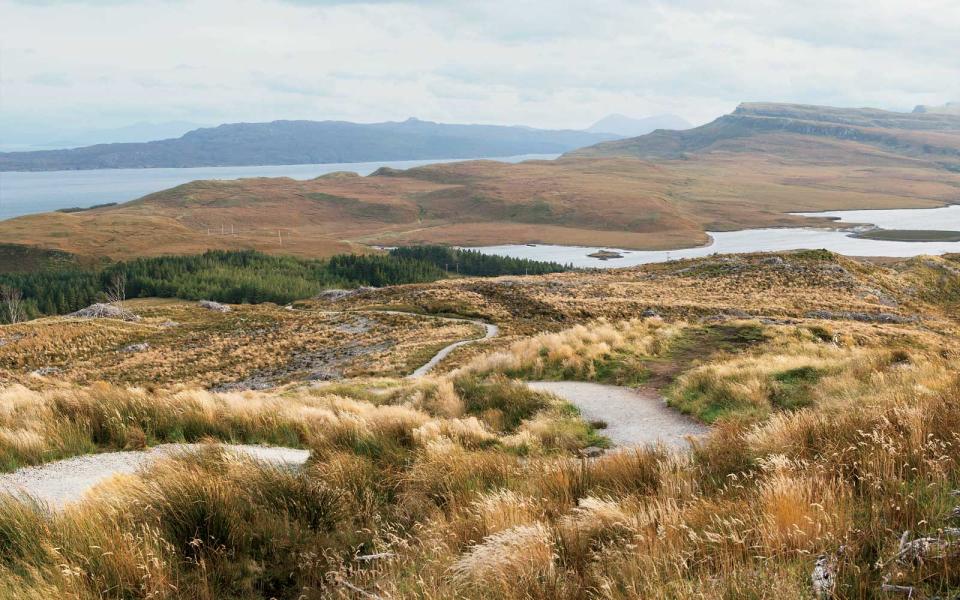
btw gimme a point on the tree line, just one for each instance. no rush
(473, 262)
(237, 277)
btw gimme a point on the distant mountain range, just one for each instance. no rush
(752, 168)
(309, 142)
(950, 108)
(629, 127)
(808, 133)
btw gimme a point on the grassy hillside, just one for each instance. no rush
(931, 137)
(617, 202)
(17, 258)
(831, 384)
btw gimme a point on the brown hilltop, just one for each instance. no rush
(662, 190)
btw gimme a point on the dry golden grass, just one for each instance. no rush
(251, 346)
(782, 286)
(466, 485)
(459, 512)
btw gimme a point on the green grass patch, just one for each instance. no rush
(501, 402)
(792, 388)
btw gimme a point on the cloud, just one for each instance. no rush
(534, 62)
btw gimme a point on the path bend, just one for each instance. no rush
(56, 484)
(633, 417)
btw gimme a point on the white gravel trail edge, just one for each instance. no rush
(62, 482)
(633, 417)
(490, 331)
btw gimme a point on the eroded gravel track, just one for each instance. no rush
(490, 331)
(633, 417)
(59, 483)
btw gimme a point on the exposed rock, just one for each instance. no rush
(649, 313)
(132, 348)
(102, 310)
(861, 316)
(338, 294)
(46, 371)
(333, 294)
(772, 260)
(10, 339)
(317, 365)
(358, 325)
(591, 452)
(250, 383)
(214, 306)
(773, 321)
(925, 548)
(169, 324)
(823, 579)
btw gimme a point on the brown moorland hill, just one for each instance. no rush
(249, 347)
(177, 342)
(927, 137)
(830, 469)
(660, 191)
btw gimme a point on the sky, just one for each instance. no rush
(74, 65)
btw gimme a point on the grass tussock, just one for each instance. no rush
(601, 351)
(795, 368)
(828, 443)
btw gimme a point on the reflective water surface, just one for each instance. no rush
(761, 240)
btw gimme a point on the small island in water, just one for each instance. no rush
(605, 254)
(909, 235)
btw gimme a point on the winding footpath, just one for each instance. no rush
(58, 483)
(633, 417)
(491, 331)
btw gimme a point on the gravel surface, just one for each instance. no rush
(56, 484)
(490, 331)
(633, 417)
(59, 483)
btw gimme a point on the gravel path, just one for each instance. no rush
(59, 483)
(633, 417)
(490, 330)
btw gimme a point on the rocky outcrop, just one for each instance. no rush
(104, 311)
(214, 306)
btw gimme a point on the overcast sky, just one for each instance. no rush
(91, 64)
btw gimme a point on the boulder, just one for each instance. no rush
(102, 310)
(214, 306)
